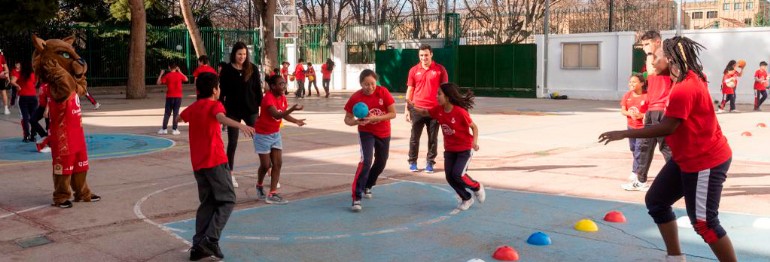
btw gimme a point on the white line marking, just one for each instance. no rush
(140, 215)
(23, 211)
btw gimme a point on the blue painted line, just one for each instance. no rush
(100, 146)
(411, 222)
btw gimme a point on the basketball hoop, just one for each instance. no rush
(285, 26)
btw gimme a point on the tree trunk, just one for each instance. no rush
(267, 10)
(135, 88)
(195, 34)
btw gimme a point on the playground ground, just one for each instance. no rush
(539, 159)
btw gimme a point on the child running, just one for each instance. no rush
(700, 160)
(267, 137)
(456, 124)
(633, 106)
(729, 83)
(760, 85)
(209, 162)
(173, 81)
(373, 133)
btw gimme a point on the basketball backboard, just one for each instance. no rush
(285, 26)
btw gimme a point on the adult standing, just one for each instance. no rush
(241, 95)
(326, 71)
(4, 82)
(658, 90)
(422, 88)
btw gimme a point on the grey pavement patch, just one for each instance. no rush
(33, 241)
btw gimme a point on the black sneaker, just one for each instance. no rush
(65, 204)
(211, 247)
(276, 199)
(261, 193)
(196, 253)
(95, 198)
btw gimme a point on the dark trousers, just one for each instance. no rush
(13, 96)
(309, 90)
(325, 84)
(728, 98)
(300, 88)
(27, 106)
(35, 121)
(635, 144)
(456, 170)
(759, 98)
(233, 133)
(172, 105)
(647, 146)
(418, 123)
(374, 156)
(217, 196)
(701, 191)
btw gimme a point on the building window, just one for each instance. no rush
(711, 14)
(737, 6)
(580, 55)
(747, 21)
(697, 15)
(749, 5)
(726, 6)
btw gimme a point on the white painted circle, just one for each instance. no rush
(762, 223)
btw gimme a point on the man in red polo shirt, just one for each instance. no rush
(658, 89)
(422, 88)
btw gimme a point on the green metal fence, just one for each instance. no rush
(392, 65)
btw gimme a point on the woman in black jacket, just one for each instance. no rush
(241, 94)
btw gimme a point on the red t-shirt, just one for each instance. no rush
(378, 103)
(456, 126)
(27, 85)
(43, 95)
(15, 73)
(697, 144)
(299, 73)
(327, 74)
(266, 124)
(2, 63)
(173, 80)
(310, 71)
(761, 74)
(66, 134)
(658, 89)
(426, 83)
(634, 104)
(206, 146)
(729, 77)
(203, 69)
(285, 73)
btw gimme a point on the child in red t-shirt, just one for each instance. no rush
(373, 133)
(760, 85)
(729, 83)
(203, 67)
(40, 113)
(173, 81)
(326, 72)
(311, 80)
(633, 106)
(209, 162)
(285, 74)
(700, 153)
(456, 125)
(299, 75)
(267, 137)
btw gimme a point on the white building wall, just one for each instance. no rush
(609, 82)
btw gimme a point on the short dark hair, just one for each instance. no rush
(763, 63)
(300, 61)
(426, 47)
(205, 84)
(172, 64)
(651, 35)
(367, 73)
(204, 59)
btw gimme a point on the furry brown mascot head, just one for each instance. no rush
(56, 63)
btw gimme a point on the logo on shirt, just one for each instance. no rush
(633, 110)
(453, 120)
(447, 130)
(381, 102)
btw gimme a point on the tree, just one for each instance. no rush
(192, 27)
(266, 10)
(506, 21)
(135, 87)
(25, 15)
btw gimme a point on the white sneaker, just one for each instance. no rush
(735, 111)
(7, 112)
(45, 150)
(97, 106)
(481, 195)
(175, 132)
(163, 132)
(465, 204)
(356, 206)
(720, 111)
(235, 182)
(368, 193)
(679, 258)
(635, 186)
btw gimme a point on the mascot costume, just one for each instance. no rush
(56, 63)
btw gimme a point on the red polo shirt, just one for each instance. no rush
(658, 89)
(425, 83)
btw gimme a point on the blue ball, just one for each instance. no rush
(360, 110)
(539, 239)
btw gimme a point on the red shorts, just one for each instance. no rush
(69, 164)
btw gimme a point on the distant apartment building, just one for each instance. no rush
(726, 14)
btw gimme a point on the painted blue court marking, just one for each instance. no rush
(100, 146)
(412, 222)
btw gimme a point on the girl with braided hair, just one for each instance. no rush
(701, 155)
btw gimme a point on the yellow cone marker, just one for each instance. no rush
(586, 225)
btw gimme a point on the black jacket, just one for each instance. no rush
(241, 98)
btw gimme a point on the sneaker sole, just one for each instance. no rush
(275, 202)
(356, 210)
(368, 196)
